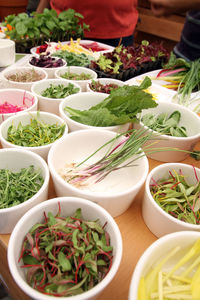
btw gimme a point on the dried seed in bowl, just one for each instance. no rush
(25, 76)
(177, 197)
(17, 187)
(36, 133)
(66, 256)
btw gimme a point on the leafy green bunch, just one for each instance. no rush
(44, 26)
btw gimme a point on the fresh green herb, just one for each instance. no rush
(60, 91)
(76, 76)
(74, 59)
(66, 256)
(18, 187)
(195, 154)
(178, 198)
(35, 134)
(120, 107)
(165, 124)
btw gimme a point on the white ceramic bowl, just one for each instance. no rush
(20, 70)
(7, 52)
(90, 211)
(157, 220)
(159, 250)
(117, 191)
(21, 98)
(84, 101)
(77, 70)
(50, 71)
(106, 81)
(25, 119)
(189, 120)
(50, 104)
(15, 160)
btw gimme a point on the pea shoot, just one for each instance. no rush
(177, 197)
(17, 187)
(60, 91)
(35, 134)
(66, 256)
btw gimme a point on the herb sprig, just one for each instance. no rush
(17, 187)
(59, 91)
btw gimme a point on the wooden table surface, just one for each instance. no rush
(136, 238)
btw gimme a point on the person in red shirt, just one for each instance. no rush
(111, 22)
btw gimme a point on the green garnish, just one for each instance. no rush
(76, 76)
(120, 107)
(165, 124)
(73, 59)
(177, 197)
(60, 91)
(35, 134)
(66, 256)
(17, 187)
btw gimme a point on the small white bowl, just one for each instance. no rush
(15, 160)
(50, 105)
(20, 85)
(21, 98)
(189, 120)
(50, 71)
(25, 119)
(157, 252)
(157, 220)
(117, 191)
(7, 51)
(90, 211)
(77, 70)
(106, 81)
(84, 101)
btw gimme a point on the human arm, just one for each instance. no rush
(167, 7)
(42, 5)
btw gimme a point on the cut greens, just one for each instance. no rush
(177, 197)
(18, 187)
(59, 91)
(66, 256)
(181, 281)
(120, 107)
(165, 124)
(74, 59)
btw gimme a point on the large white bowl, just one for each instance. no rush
(20, 85)
(84, 101)
(7, 51)
(50, 71)
(106, 81)
(90, 211)
(21, 98)
(159, 250)
(117, 191)
(15, 160)
(157, 220)
(189, 120)
(25, 119)
(77, 70)
(50, 104)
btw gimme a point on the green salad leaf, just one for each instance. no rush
(120, 107)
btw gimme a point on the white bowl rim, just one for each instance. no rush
(84, 126)
(64, 81)
(96, 289)
(43, 187)
(176, 107)
(156, 244)
(156, 206)
(22, 91)
(33, 113)
(85, 193)
(16, 69)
